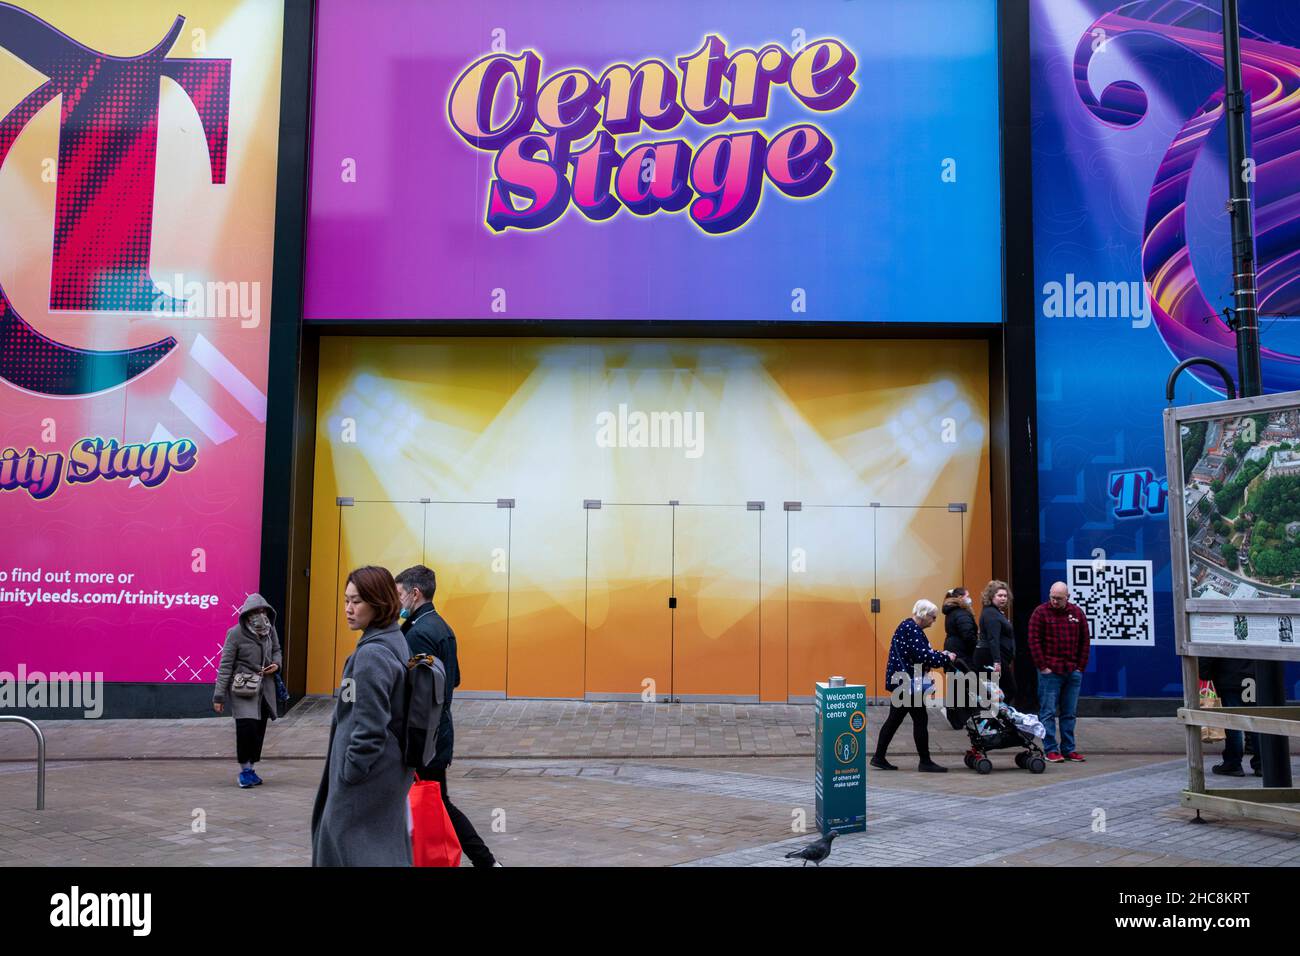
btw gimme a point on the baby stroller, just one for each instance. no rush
(999, 727)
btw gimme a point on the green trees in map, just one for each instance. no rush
(1229, 552)
(1193, 445)
(1276, 503)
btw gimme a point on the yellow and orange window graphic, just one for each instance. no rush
(730, 550)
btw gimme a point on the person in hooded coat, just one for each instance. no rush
(361, 813)
(961, 636)
(252, 647)
(959, 627)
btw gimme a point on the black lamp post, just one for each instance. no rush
(1275, 756)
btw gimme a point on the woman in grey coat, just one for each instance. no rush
(252, 647)
(360, 816)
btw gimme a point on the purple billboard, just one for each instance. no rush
(719, 160)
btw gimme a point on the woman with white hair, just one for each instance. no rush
(910, 656)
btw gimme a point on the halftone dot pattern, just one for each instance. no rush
(108, 143)
(35, 363)
(108, 146)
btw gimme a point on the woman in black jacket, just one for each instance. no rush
(997, 641)
(962, 636)
(959, 626)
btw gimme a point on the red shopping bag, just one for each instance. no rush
(433, 840)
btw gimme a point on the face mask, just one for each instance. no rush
(407, 610)
(259, 623)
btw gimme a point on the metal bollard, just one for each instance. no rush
(40, 756)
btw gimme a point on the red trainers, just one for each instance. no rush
(1075, 756)
(1055, 757)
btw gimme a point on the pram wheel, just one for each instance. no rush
(969, 760)
(984, 765)
(1037, 764)
(1021, 759)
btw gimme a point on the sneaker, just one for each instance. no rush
(257, 781)
(1055, 757)
(246, 778)
(929, 766)
(880, 763)
(1224, 770)
(1075, 756)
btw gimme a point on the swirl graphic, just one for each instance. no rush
(1271, 77)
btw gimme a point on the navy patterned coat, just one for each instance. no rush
(908, 648)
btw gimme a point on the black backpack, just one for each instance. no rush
(426, 684)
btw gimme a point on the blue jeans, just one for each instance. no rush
(1059, 693)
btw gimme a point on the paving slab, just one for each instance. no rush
(650, 811)
(546, 729)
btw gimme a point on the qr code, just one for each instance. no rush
(1116, 596)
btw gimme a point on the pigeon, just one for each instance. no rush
(816, 851)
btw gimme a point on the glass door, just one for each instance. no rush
(715, 583)
(919, 554)
(384, 533)
(467, 544)
(628, 637)
(832, 571)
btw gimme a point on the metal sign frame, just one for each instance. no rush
(1278, 804)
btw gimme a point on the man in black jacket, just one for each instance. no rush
(1232, 677)
(427, 633)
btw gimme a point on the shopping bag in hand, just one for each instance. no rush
(1210, 699)
(433, 840)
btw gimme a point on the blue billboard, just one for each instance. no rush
(1132, 261)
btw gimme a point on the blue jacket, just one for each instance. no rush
(427, 633)
(909, 647)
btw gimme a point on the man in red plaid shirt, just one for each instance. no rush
(1058, 643)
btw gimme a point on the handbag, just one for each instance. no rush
(433, 839)
(1209, 700)
(246, 684)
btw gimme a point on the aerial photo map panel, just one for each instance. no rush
(1242, 501)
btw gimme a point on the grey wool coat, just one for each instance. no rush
(245, 652)
(361, 811)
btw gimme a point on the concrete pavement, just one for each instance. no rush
(622, 785)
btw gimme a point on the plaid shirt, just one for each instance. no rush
(1059, 640)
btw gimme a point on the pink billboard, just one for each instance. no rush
(137, 198)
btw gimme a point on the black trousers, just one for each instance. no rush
(920, 729)
(249, 734)
(1233, 743)
(470, 841)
